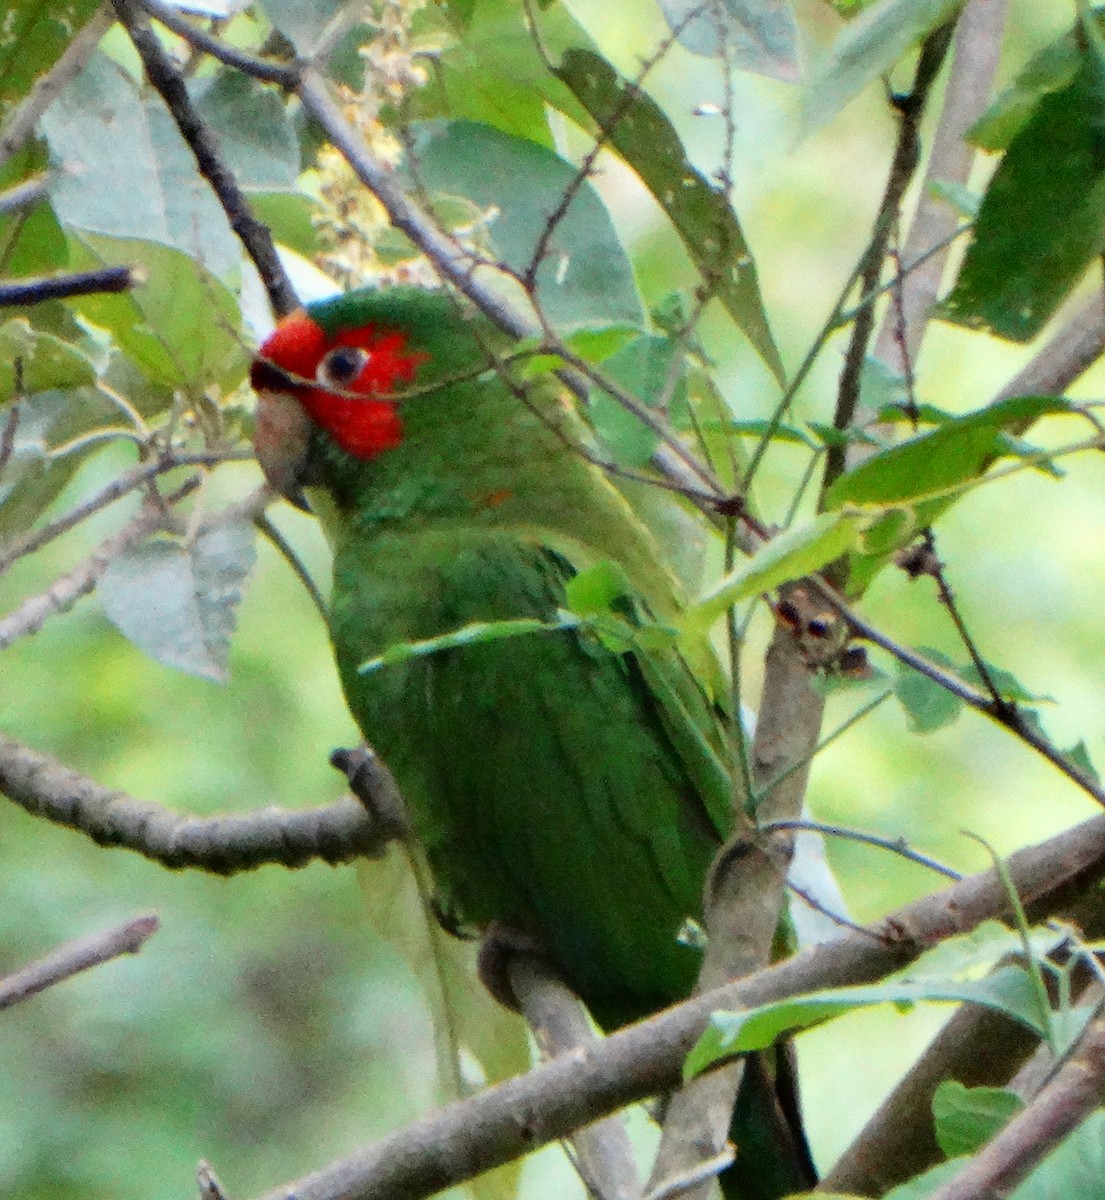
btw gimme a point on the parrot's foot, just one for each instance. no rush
(498, 945)
(374, 786)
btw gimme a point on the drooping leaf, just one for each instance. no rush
(701, 214)
(1042, 217)
(1008, 990)
(868, 47)
(585, 277)
(758, 35)
(965, 1119)
(790, 555)
(476, 1040)
(178, 326)
(176, 601)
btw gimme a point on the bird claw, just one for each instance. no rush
(499, 944)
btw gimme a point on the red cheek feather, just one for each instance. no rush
(363, 428)
(359, 420)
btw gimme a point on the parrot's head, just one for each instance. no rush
(330, 367)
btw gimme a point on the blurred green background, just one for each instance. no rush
(266, 1028)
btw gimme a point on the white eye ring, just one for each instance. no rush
(341, 366)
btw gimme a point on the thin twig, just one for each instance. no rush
(897, 846)
(24, 194)
(29, 617)
(204, 144)
(902, 169)
(121, 486)
(947, 599)
(74, 957)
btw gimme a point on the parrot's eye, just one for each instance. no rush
(341, 366)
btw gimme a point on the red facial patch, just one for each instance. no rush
(357, 416)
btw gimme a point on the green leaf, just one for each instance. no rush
(758, 428)
(255, 132)
(1079, 755)
(790, 555)
(1050, 70)
(176, 601)
(640, 132)
(923, 477)
(179, 326)
(47, 362)
(645, 369)
(1042, 217)
(1008, 990)
(33, 36)
(474, 634)
(601, 342)
(928, 705)
(125, 170)
(585, 278)
(932, 464)
(868, 47)
(302, 22)
(758, 37)
(493, 69)
(966, 1118)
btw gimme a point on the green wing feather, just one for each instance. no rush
(543, 779)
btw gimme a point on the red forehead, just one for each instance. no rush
(295, 345)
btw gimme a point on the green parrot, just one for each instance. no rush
(567, 789)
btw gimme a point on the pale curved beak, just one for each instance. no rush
(282, 438)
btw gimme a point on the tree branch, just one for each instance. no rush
(204, 144)
(744, 900)
(336, 833)
(468, 1137)
(76, 956)
(602, 1155)
(81, 283)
